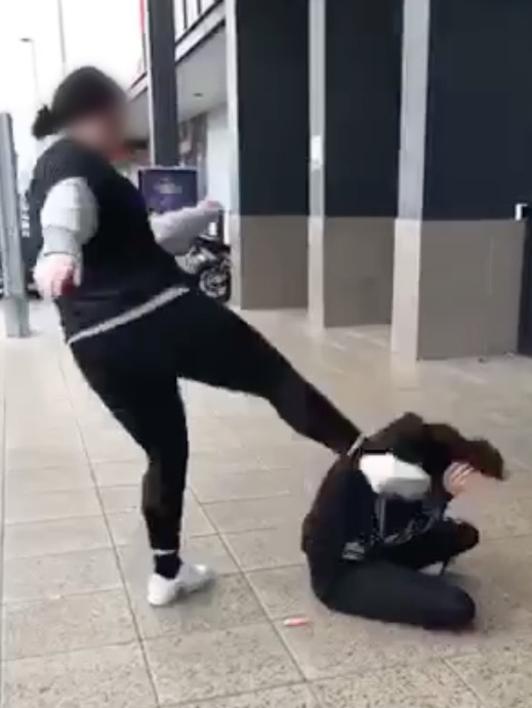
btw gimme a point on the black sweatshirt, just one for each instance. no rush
(123, 266)
(349, 522)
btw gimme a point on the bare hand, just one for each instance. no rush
(457, 476)
(56, 274)
(211, 205)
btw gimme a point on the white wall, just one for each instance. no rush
(218, 155)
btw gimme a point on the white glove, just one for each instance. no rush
(392, 477)
(56, 274)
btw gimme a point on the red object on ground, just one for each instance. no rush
(296, 622)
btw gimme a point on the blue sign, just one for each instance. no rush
(168, 188)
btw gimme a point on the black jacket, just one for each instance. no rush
(346, 513)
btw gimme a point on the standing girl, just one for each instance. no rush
(132, 323)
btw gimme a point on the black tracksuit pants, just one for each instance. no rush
(391, 588)
(134, 370)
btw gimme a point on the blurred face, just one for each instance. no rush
(104, 131)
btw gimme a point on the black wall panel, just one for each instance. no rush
(273, 106)
(479, 127)
(363, 74)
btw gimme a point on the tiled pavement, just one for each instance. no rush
(76, 630)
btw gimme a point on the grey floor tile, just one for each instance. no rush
(55, 576)
(62, 536)
(220, 663)
(496, 516)
(297, 696)
(64, 624)
(127, 528)
(114, 677)
(296, 455)
(93, 414)
(252, 514)
(122, 499)
(52, 505)
(427, 686)
(266, 548)
(284, 592)
(246, 484)
(333, 644)
(228, 603)
(20, 420)
(53, 479)
(519, 485)
(502, 678)
(223, 460)
(202, 427)
(41, 456)
(122, 472)
(125, 500)
(257, 480)
(195, 520)
(499, 566)
(111, 444)
(213, 438)
(19, 435)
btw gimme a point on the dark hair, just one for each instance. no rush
(435, 446)
(82, 93)
(478, 453)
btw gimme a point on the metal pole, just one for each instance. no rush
(15, 301)
(162, 84)
(62, 42)
(35, 71)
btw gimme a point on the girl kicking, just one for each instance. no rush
(132, 322)
(378, 519)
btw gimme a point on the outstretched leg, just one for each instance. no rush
(134, 370)
(216, 347)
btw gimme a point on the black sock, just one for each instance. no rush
(167, 564)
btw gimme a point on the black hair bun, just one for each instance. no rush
(44, 123)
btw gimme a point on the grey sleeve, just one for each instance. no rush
(69, 217)
(175, 230)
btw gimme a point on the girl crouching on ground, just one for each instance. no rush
(379, 518)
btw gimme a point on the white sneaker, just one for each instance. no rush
(191, 578)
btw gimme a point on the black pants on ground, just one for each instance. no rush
(391, 588)
(134, 370)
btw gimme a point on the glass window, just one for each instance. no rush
(206, 4)
(179, 14)
(192, 11)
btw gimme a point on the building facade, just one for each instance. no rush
(370, 155)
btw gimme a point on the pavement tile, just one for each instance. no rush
(220, 663)
(113, 676)
(54, 576)
(63, 624)
(60, 536)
